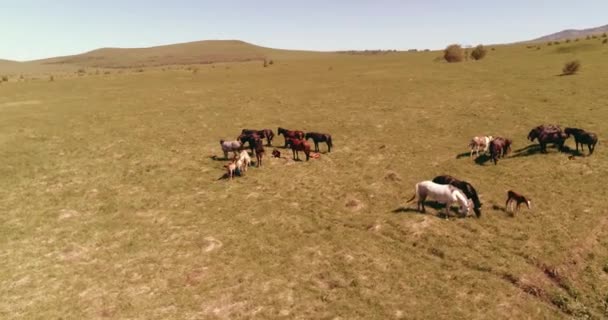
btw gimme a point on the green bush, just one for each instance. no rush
(453, 53)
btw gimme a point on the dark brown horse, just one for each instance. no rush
(319, 137)
(548, 134)
(465, 187)
(583, 137)
(290, 134)
(252, 139)
(264, 133)
(536, 132)
(259, 152)
(299, 145)
(499, 147)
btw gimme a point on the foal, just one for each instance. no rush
(513, 196)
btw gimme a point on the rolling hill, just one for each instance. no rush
(572, 34)
(199, 52)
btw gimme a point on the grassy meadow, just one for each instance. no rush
(112, 205)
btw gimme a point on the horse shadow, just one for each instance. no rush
(440, 207)
(462, 155)
(482, 159)
(534, 149)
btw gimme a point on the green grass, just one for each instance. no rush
(112, 208)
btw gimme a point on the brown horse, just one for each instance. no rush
(299, 145)
(252, 139)
(259, 152)
(583, 137)
(499, 147)
(319, 137)
(548, 134)
(536, 132)
(264, 133)
(290, 134)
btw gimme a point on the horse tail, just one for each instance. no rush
(415, 194)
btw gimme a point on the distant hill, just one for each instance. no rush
(572, 34)
(199, 52)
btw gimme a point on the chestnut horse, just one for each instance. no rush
(264, 133)
(583, 137)
(299, 145)
(252, 139)
(290, 134)
(499, 147)
(465, 187)
(319, 137)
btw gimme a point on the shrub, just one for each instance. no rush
(571, 67)
(550, 43)
(479, 52)
(555, 42)
(271, 62)
(593, 37)
(567, 40)
(588, 37)
(453, 53)
(4, 79)
(51, 78)
(605, 41)
(265, 63)
(604, 35)
(576, 40)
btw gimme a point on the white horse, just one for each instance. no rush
(230, 146)
(480, 143)
(243, 161)
(443, 194)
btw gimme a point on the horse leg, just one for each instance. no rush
(447, 210)
(507, 205)
(225, 154)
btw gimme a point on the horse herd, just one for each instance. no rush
(297, 140)
(545, 134)
(444, 189)
(447, 189)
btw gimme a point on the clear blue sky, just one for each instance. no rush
(31, 29)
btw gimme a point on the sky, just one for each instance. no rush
(35, 29)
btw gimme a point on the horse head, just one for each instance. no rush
(281, 131)
(534, 133)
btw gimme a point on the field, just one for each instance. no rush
(113, 207)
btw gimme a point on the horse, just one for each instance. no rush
(299, 145)
(230, 146)
(499, 147)
(556, 137)
(264, 133)
(536, 132)
(513, 196)
(465, 187)
(442, 193)
(287, 134)
(259, 152)
(243, 161)
(230, 168)
(252, 139)
(480, 143)
(583, 137)
(319, 137)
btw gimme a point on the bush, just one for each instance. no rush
(556, 42)
(605, 41)
(271, 62)
(571, 67)
(550, 43)
(567, 40)
(4, 79)
(576, 40)
(51, 78)
(604, 35)
(453, 53)
(479, 52)
(265, 63)
(593, 37)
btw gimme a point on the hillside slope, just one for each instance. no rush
(572, 34)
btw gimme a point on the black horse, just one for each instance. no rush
(466, 188)
(252, 139)
(319, 137)
(264, 133)
(583, 137)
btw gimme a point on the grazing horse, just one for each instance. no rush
(319, 137)
(465, 187)
(513, 196)
(290, 134)
(230, 146)
(446, 194)
(299, 145)
(583, 137)
(480, 143)
(264, 133)
(499, 147)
